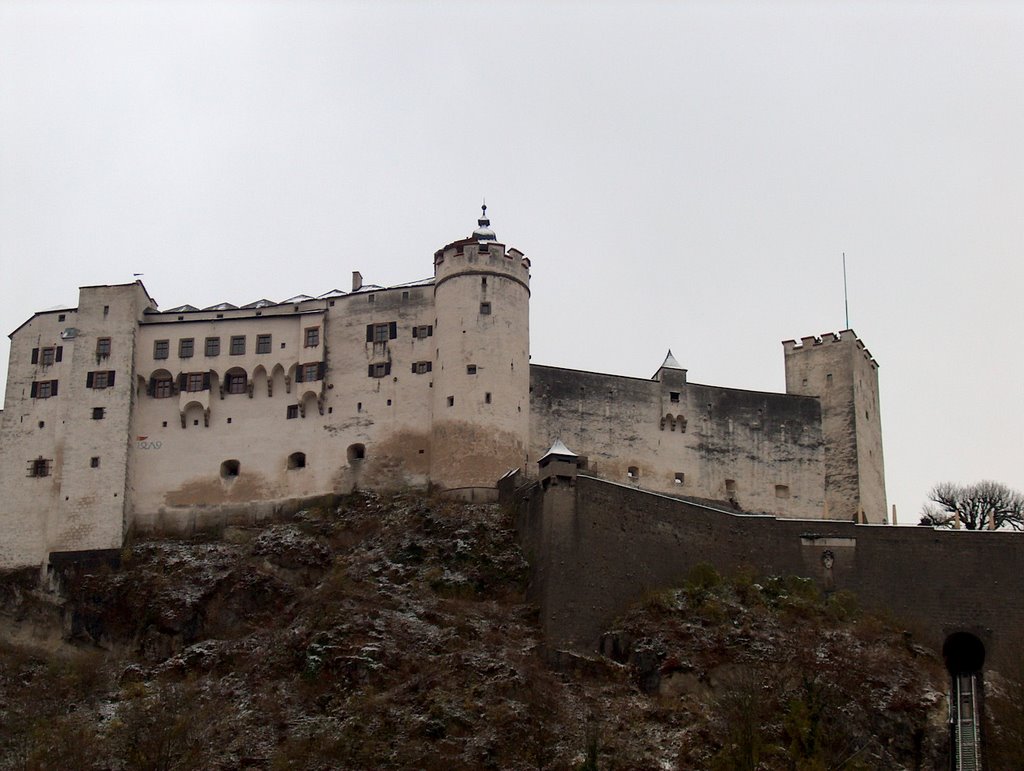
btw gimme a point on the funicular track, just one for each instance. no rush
(965, 719)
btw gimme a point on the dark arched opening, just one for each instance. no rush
(297, 460)
(963, 653)
(229, 469)
(356, 452)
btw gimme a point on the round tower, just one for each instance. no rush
(481, 399)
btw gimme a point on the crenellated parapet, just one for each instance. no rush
(846, 336)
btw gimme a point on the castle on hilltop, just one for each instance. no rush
(119, 416)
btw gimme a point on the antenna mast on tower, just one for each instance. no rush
(846, 297)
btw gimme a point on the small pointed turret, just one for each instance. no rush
(483, 231)
(670, 362)
(671, 372)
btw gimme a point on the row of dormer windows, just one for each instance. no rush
(236, 345)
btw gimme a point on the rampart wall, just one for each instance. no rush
(762, 450)
(596, 546)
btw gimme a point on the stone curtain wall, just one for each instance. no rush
(763, 450)
(599, 546)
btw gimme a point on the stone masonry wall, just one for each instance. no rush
(763, 450)
(598, 546)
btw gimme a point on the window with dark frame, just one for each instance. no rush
(103, 378)
(292, 412)
(43, 389)
(161, 349)
(263, 343)
(310, 372)
(421, 367)
(196, 381)
(94, 462)
(312, 337)
(48, 354)
(422, 331)
(163, 388)
(380, 333)
(380, 370)
(40, 467)
(237, 345)
(98, 413)
(236, 383)
(212, 346)
(102, 347)
(485, 309)
(673, 397)
(186, 347)
(471, 369)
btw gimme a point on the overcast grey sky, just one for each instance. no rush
(682, 175)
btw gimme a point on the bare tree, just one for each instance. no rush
(975, 506)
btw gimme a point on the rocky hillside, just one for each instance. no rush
(395, 633)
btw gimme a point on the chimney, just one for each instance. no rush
(357, 280)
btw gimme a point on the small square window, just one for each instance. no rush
(730, 485)
(40, 467)
(100, 379)
(61, 317)
(237, 345)
(485, 309)
(42, 424)
(293, 411)
(673, 396)
(389, 402)
(471, 369)
(44, 389)
(102, 347)
(781, 491)
(263, 343)
(680, 477)
(312, 337)
(633, 472)
(212, 346)
(186, 347)
(48, 354)
(94, 462)
(98, 413)
(161, 349)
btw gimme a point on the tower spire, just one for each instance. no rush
(483, 231)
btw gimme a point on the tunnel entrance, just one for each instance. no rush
(965, 656)
(963, 653)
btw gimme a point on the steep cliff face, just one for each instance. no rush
(394, 633)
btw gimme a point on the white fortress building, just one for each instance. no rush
(121, 417)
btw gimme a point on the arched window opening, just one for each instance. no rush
(229, 469)
(356, 452)
(296, 460)
(235, 381)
